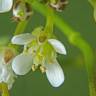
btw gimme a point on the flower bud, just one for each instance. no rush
(59, 5)
(21, 11)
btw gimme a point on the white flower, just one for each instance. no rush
(44, 56)
(6, 73)
(5, 5)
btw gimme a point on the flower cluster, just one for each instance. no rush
(39, 52)
(40, 47)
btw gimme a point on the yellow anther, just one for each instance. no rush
(34, 67)
(43, 69)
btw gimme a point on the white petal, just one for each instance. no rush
(10, 80)
(11, 76)
(15, 12)
(1, 56)
(0, 70)
(5, 5)
(5, 73)
(54, 74)
(58, 46)
(22, 39)
(22, 64)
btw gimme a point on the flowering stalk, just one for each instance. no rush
(50, 21)
(41, 52)
(75, 39)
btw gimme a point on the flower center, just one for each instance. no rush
(42, 38)
(42, 68)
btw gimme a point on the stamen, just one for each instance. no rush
(43, 69)
(34, 67)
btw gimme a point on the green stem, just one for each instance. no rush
(75, 39)
(20, 27)
(89, 61)
(49, 23)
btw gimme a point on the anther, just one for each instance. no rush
(43, 69)
(34, 67)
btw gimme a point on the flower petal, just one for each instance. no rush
(22, 39)
(54, 74)
(58, 46)
(22, 64)
(5, 5)
(1, 56)
(7, 75)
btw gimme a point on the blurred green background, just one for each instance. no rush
(79, 15)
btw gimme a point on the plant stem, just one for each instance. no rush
(20, 27)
